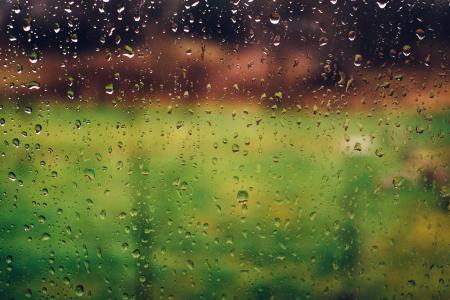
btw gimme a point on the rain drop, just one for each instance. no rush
(274, 18)
(382, 3)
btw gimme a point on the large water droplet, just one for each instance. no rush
(358, 60)
(128, 51)
(109, 88)
(406, 50)
(79, 290)
(352, 35)
(382, 3)
(276, 40)
(33, 85)
(242, 197)
(12, 176)
(275, 18)
(323, 41)
(420, 33)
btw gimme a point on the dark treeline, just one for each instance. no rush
(280, 30)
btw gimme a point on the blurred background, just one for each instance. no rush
(206, 149)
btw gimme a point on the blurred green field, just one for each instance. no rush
(119, 204)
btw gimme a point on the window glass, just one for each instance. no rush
(224, 149)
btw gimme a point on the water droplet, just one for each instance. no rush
(420, 33)
(382, 3)
(16, 142)
(427, 60)
(351, 35)
(12, 176)
(190, 264)
(136, 16)
(42, 219)
(174, 27)
(45, 236)
(128, 51)
(16, 9)
(33, 57)
(56, 27)
(70, 94)
(109, 88)
(358, 60)
(274, 18)
(79, 290)
(136, 253)
(397, 181)
(89, 173)
(27, 26)
(412, 282)
(74, 38)
(120, 8)
(242, 197)
(406, 50)
(33, 85)
(28, 293)
(276, 40)
(379, 152)
(323, 41)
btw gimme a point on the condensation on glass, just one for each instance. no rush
(224, 149)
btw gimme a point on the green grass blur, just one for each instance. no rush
(143, 204)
